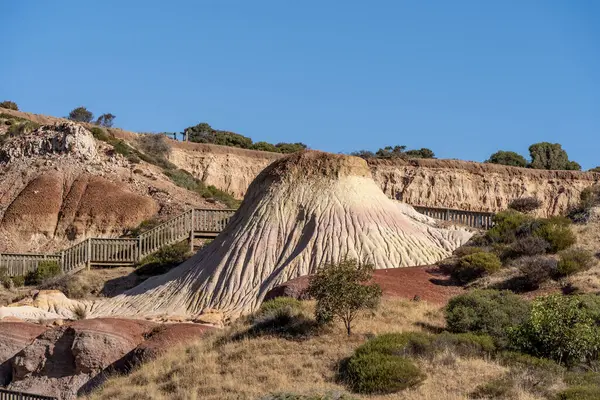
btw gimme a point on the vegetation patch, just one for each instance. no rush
(45, 270)
(562, 328)
(342, 292)
(488, 312)
(163, 260)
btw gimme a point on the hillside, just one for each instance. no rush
(426, 182)
(60, 185)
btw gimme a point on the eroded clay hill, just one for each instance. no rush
(301, 212)
(58, 185)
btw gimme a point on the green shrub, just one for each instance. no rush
(586, 392)
(536, 270)
(6, 281)
(380, 373)
(505, 226)
(22, 128)
(11, 105)
(99, 134)
(163, 260)
(557, 232)
(278, 303)
(342, 291)
(467, 250)
(526, 246)
(18, 280)
(44, 270)
(489, 312)
(561, 328)
(525, 204)
(508, 158)
(403, 344)
(465, 344)
(476, 265)
(528, 362)
(81, 114)
(589, 198)
(573, 261)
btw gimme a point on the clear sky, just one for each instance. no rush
(464, 78)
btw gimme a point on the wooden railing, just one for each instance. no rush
(193, 223)
(474, 219)
(10, 395)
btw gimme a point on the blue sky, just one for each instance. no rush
(464, 78)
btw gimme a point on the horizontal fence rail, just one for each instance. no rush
(192, 223)
(10, 395)
(100, 251)
(474, 219)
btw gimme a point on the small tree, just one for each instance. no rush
(11, 105)
(421, 153)
(81, 114)
(507, 158)
(546, 155)
(341, 291)
(106, 120)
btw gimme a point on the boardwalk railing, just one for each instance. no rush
(474, 219)
(10, 395)
(193, 223)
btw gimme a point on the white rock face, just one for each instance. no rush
(301, 212)
(62, 138)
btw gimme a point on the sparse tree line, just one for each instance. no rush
(543, 155)
(395, 152)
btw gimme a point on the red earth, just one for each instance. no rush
(427, 283)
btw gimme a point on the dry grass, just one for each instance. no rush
(588, 237)
(253, 367)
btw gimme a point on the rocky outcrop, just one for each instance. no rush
(303, 211)
(478, 187)
(67, 138)
(227, 168)
(51, 206)
(14, 336)
(70, 360)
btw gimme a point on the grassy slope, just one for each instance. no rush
(251, 368)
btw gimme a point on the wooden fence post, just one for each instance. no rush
(89, 254)
(192, 228)
(138, 255)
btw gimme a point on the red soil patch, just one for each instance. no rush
(428, 283)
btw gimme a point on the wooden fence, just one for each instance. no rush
(10, 395)
(192, 223)
(201, 223)
(474, 219)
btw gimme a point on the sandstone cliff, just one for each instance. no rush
(477, 186)
(58, 186)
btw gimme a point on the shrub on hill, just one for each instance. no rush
(562, 328)
(546, 155)
(508, 158)
(476, 265)
(588, 199)
(557, 232)
(536, 270)
(489, 312)
(106, 120)
(313, 396)
(163, 260)
(81, 114)
(525, 204)
(342, 292)
(573, 261)
(11, 105)
(44, 270)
